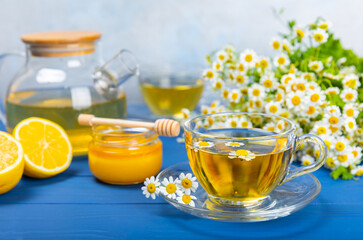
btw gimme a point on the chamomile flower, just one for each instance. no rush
(320, 36)
(300, 32)
(316, 66)
(335, 120)
(308, 76)
(286, 45)
(234, 144)
(185, 113)
(232, 122)
(316, 97)
(307, 160)
(269, 127)
(280, 126)
(341, 144)
(225, 93)
(350, 124)
(358, 171)
(256, 91)
(217, 83)
(324, 25)
(273, 108)
(234, 96)
(269, 82)
(313, 86)
(209, 74)
(264, 62)
(332, 161)
(280, 95)
(205, 109)
(244, 123)
(151, 188)
(187, 183)
(242, 154)
(352, 81)
(345, 158)
(328, 140)
(218, 66)
(349, 95)
(248, 57)
(332, 90)
(276, 43)
(222, 56)
(294, 100)
(203, 144)
(241, 67)
(301, 84)
(333, 110)
(281, 60)
(287, 78)
(357, 153)
(310, 110)
(186, 199)
(170, 188)
(240, 78)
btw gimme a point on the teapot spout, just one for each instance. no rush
(108, 77)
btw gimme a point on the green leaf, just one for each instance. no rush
(209, 60)
(292, 24)
(335, 174)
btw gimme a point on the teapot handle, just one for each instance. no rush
(4, 88)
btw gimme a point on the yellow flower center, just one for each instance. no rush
(351, 83)
(151, 188)
(287, 79)
(296, 100)
(241, 67)
(330, 162)
(355, 153)
(271, 129)
(333, 129)
(359, 173)
(317, 153)
(264, 63)
(318, 37)
(342, 158)
(339, 146)
(258, 103)
(276, 45)
(171, 188)
(225, 93)
(300, 86)
(349, 96)
(244, 91)
(333, 120)
(218, 66)
(233, 124)
(323, 26)
(306, 162)
(186, 183)
(315, 67)
(351, 125)
(203, 144)
(350, 112)
(285, 114)
(219, 85)
(234, 96)
(278, 97)
(311, 110)
(186, 199)
(328, 144)
(299, 33)
(315, 97)
(267, 83)
(256, 92)
(281, 60)
(210, 120)
(234, 144)
(210, 74)
(321, 130)
(240, 79)
(244, 124)
(273, 109)
(221, 57)
(205, 111)
(248, 58)
(242, 152)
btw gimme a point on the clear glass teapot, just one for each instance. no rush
(64, 76)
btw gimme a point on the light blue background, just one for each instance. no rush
(175, 33)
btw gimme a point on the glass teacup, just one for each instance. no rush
(239, 158)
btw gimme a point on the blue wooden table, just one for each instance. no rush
(74, 205)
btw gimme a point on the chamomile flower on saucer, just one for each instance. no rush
(350, 124)
(209, 74)
(294, 100)
(307, 160)
(332, 90)
(222, 56)
(248, 57)
(349, 95)
(320, 36)
(186, 199)
(358, 171)
(170, 188)
(316, 66)
(203, 144)
(269, 82)
(276, 43)
(234, 144)
(242, 154)
(273, 107)
(218, 66)
(352, 81)
(187, 183)
(256, 91)
(350, 110)
(151, 188)
(281, 60)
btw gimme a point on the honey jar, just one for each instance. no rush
(124, 155)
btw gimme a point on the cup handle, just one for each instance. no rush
(312, 167)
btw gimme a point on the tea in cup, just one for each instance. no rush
(239, 158)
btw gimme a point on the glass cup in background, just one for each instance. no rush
(166, 93)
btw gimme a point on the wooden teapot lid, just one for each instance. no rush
(61, 44)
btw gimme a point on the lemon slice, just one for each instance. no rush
(11, 162)
(47, 149)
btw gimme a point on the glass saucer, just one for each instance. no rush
(284, 199)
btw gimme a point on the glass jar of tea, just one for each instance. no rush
(64, 76)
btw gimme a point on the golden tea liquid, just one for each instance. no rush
(170, 97)
(63, 107)
(237, 179)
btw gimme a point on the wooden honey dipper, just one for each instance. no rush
(163, 127)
